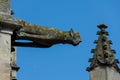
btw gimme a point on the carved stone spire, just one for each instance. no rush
(103, 55)
(5, 7)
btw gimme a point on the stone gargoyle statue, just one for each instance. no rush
(39, 36)
(45, 36)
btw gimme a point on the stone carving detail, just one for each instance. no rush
(103, 54)
(45, 36)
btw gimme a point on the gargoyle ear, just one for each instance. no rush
(71, 32)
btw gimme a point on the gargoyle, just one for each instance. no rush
(39, 36)
(44, 36)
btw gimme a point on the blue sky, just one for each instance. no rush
(65, 62)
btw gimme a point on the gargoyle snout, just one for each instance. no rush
(75, 36)
(76, 41)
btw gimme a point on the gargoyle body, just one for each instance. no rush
(45, 36)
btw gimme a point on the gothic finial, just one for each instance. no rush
(103, 54)
(102, 26)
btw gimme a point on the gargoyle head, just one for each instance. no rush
(73, 37)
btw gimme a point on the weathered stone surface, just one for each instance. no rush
(13, 65)
(112, 74)
(5, 7)
(104, 73)
(5, 54)
(8, 65)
